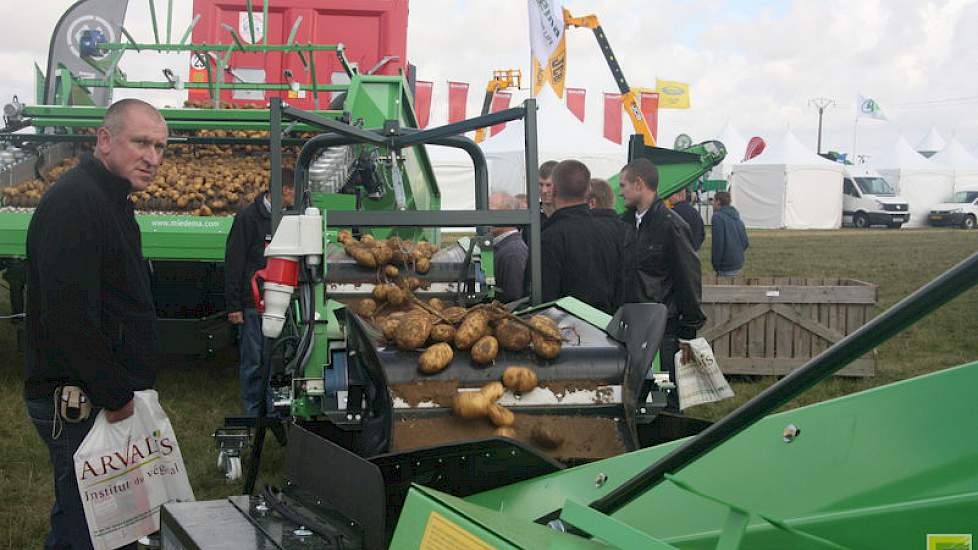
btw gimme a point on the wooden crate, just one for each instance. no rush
(772, 325)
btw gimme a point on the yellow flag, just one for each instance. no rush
(554, 71)
(672, 94)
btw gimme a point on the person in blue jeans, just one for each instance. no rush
(91, 322)
(244, 255)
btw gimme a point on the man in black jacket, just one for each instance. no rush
(244, 254)
(662, 265)
(681, 206)
(92, 333)
(581, 257)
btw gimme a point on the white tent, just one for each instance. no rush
(921, 182)
(788, 186)
(560, 136)
(963, 165)
(736, 146)
(932, 143)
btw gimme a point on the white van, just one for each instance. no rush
(869, 200)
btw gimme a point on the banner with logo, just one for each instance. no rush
(612, 116)
(127, 471)
(868, 108)
(649, 103)
(458, 94)
(672, 94)
(500, 101)
(422, 101)
(575, 101)
(548, 44)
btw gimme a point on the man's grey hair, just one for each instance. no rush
(115, 115)
(501, 200)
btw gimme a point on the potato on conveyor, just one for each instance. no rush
(396, 295)
(391, 271)
(362, 255)
(520, 379)
(411, 283)
(548, 346)
(382, 254)
(512, 335)
(423, 265)
(547, 437)
(493, 390)
(442, 333)
(470, 404)
(474, 326)
(343, 236)
(366, 307)
(380, 292)
(505, 431)
(435, 358)
(389, 326)
(412, 332)
(501, 416)
(485, 350)
(436, 304)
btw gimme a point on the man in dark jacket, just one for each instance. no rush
(681, 206)
(601, 201)
(729, 237)
(662, 265)
(509, 252)
(91, 323)
(244, 254)
(581, 257)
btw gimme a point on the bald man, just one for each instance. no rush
(509, 252)
(91, 322)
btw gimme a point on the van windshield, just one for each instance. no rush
(875, 186)
(964, 196)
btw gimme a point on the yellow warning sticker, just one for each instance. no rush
(441, 534)
(948, 542)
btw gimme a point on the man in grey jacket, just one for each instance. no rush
(729, 237)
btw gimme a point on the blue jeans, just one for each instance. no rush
(69, 530)
(730, 273)
(250, 343)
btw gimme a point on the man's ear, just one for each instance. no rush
(103, 140)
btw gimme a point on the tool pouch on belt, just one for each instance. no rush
(73, 404)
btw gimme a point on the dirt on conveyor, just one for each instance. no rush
(587, 438)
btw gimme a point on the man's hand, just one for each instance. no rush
(120, 414)
(687, 353)
(236, 317)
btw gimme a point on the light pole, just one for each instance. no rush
(821, 103)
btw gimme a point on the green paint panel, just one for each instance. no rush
(870, 470)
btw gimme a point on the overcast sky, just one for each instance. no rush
(755, 64)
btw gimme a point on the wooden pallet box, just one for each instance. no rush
(772, 325)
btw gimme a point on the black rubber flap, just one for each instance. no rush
(640, 327)
(337, 480)
(365, 369)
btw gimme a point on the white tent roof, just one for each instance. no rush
(790, 151)
(901, 156)
(932, 141)
(954, 155)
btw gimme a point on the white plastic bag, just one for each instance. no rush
(700, 381)
(127, 470)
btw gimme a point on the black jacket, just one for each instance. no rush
(582, 258)
(729, 240)
(612, 220)
(90, 314)
(663, 267)
(693, 219)
(244, 253)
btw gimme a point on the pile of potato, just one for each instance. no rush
(198, 179)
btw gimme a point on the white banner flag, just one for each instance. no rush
(868, 108)
(546, 27)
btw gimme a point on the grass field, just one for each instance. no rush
(198, 394)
